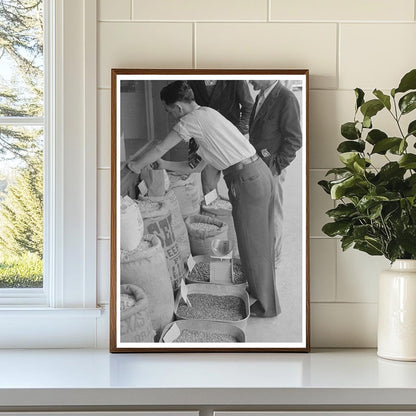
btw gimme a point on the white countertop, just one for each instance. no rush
(96, 377)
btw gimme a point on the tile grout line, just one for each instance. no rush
(269, 10)
(338, 63)
(308, 22)
(131, 9)
(336, 272)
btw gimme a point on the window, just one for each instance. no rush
(63, 312)
(22, 129)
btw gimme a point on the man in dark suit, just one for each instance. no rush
(276, 133)
(230, 98)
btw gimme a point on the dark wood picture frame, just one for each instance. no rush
(296, 342)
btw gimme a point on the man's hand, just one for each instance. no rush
(133, 167)
(159, 164)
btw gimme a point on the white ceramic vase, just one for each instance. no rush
(397, 312)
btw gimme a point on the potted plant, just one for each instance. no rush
(376, 206)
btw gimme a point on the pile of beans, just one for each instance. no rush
(221, 204)
(203, 226)
(144, 245)
(145, 205)
(190, 335)
(126, 301)
(201, 273)
(210, 307)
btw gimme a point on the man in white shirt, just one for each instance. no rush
(249, 181)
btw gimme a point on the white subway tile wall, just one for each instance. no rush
(356, 10)
(114, 10)
(201, 10)
(104, 128)
(323, 269)
(270, 45)
(345, 44)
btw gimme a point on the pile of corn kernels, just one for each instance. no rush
(203, 226)
(191, 335)
(210, 307)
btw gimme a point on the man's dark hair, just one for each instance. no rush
(177, 91)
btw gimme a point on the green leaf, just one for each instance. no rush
(359, 95)
(390, 170)
(349, 146)
(374, 136)
(407, 240)
(348, 158)
(338, 171)
(408, 82)
(408, 102)
(408, 161)
(333, 229)
(411, 130)
(368, 248)
(338, 190)
(398, 149)
(349, 131)
(393, 250)
(346, 242)
(375, 211)
(383, 145)
(359, 166)
(371, 108)
(385, 99)
(402, 147)
(369, 201)
(325, 186)
(367, 122)
(342, 211)
(361, 231)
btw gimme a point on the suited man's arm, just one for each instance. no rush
(291, 133)
(246, 101)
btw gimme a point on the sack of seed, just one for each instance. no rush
(135, 321)
(146, 267)
(156, 180)
(157, 220)
(202, 230)
(178, 224)
(221, 209)
(131, 224)
(187, 193)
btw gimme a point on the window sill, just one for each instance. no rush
(39, 327)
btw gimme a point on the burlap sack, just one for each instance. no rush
(178, 224)
(157, 181)
(147, 268)
(200, 240)
(157, 220)
(135, 321)
(221, 209)
(187, 193)
(131, 224)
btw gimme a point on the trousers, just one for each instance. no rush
(251, 193)
(278, 214)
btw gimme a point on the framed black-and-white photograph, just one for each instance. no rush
(209, 211)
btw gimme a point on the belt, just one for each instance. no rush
(240, 165)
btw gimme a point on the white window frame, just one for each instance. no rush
(64, 313)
